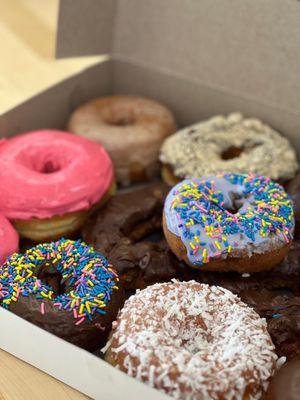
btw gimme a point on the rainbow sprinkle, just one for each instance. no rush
(87, 278)
(217, 215)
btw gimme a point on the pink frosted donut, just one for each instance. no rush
(9, 239)
(48, 174)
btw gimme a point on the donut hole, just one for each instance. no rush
(236, 203)
(36, 160)
(121, 120)
(49, 167)
(49, 275)
(232, 152)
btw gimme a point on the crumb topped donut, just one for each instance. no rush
(231, 143)
(64, 287)
(229, 222)
(193, 341)
(131, 128)
(50, 180)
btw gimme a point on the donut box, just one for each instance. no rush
(198, 57)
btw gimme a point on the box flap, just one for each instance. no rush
(85, 28)
(249, 48)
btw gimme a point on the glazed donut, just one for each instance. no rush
(285, 384)
(132, 130)
(64, 287)
(9, 239)
(229, 222)
(232, 143)
(50, 181)
(193, 341)
(128, 231)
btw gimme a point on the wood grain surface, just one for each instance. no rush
(27, 66)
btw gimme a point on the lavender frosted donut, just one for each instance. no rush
(193, 342)
(229, 222)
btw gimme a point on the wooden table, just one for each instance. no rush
(27, 66)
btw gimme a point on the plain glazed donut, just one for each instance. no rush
(50, 181)
(131, 129)
(9, 239)
(193, 342)
(65, 288)
(229, 222)
(233, 143)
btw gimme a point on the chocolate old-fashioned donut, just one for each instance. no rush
(122, 231)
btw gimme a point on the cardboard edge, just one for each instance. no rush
(67, 362)
(85, 33)
(51, 107)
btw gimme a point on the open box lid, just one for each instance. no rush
(249, 48)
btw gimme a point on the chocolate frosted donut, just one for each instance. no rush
(232, 143)
(64, 287)
(285, 384)
(128, 231)
(132, 130)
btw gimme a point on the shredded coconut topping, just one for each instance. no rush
(193, 341)
(197, 150)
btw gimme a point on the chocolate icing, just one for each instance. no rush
(90, 335)
(286, 383)
(128, 232)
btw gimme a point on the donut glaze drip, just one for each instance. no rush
(48, 173)
(229, 214)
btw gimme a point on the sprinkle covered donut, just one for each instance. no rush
(227, 143)
(229, 222)
(64, 287)
(193, 342)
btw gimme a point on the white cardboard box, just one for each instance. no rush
(200, 57)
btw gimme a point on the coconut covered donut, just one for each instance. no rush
(131, 128)
(193, 341)
(232, 143)
(229, 222)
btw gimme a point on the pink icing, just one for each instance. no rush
(49, 172)
(9, 239)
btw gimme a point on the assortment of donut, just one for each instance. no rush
(190, 284)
